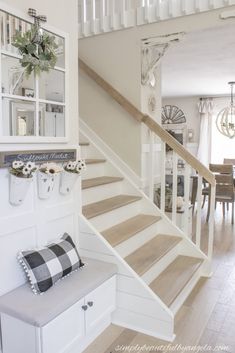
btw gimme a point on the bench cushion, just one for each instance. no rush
(37, 310)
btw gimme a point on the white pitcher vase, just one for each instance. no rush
(67, 182)
(18, 189)
(46, 183)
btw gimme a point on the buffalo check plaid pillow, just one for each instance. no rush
(45, 266)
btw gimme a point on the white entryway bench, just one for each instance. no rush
(66, 318)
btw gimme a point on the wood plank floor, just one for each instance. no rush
(207, 316)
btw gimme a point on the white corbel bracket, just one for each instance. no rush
(153, 49)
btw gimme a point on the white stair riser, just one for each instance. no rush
(101, 192)
(137, 240)
(121, 214)
(128, 284)
(162, 264)
(89, 152)
(94, 170)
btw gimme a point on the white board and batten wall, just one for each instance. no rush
(36, 222)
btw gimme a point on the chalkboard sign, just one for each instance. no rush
(39, 157)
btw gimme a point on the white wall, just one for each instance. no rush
(36, 222)
(116, 56)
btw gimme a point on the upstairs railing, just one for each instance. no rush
(98, 16)
(195, 173)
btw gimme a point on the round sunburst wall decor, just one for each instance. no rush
(171, 114)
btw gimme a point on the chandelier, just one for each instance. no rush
(225, 121)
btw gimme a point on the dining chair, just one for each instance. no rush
(224, 186)
(229, 161)
(232, 162)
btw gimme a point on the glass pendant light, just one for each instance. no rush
(225, 121)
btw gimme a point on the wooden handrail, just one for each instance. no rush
(150, 123)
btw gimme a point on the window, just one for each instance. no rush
(34, 108)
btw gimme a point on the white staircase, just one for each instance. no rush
(100, 16)
(158, 264)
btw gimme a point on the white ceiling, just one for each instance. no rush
(201, 64)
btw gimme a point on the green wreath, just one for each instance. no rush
(38, 51)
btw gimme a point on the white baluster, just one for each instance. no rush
(211, 222)
(93, 10)
(174, 186)
(103, 8)
(158, 10)
(170, 8)
(183, 7)
(151, 165)
(4, 32)
(211, 4)
(113, 14)
(199, 211)
(197, 5)
(163, 175)
(84, 11)
(186, 198)
(146, 11)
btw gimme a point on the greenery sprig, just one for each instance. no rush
(37, 50)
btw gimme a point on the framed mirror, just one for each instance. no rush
(32, 108)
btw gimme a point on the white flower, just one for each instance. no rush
(69, 165)
(78, 169)
(17, 164)
(26, 171)
(50, 168)
(74, 164)
(30, 165)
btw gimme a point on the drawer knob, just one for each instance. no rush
(90, 303)
(84, 307)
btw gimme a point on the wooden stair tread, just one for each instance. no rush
(84, 143)
(150, 253)
(94, 160)
(101, 207)
(89, 183)
(125, 230)
(174, 278)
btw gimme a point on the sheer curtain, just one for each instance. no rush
(205, 108)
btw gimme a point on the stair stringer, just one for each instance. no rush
(138, 307)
